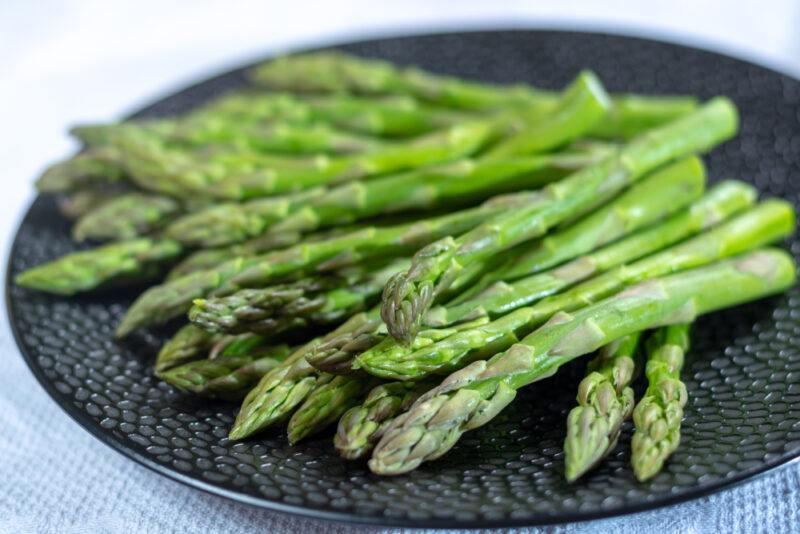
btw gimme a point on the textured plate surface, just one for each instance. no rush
(743, 373)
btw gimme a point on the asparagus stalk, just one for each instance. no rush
(126, 217)
(409, 295)
(78, 202)
(661, 193)
(452, 143)
(281, 390)
(472, 396)
(94, 168)
(135, 260)
(327, 403)
(204, 377)
(187, 344)
(275, 308)
(446, 184)
(764, 224)
(605, 401)
(659, 413)
(717, 205)
(584, 104)
(336, 72)
(168, 300)
(363, 425)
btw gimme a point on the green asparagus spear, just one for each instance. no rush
(275, 308)
(337, 72)
(409, 295)
(659, 413)
(78, 202)
(449, 144)
(126, 217)
(168, 300)
(187, 344)
(97, 167)
(198, 377)
(448, 184)
(327, 403)
(764, 224)
(605, 401)
(362, 426)
(471, 397)
(717, 205)
(584, 104)
(281, 390)
(124, 262)
(657, 195)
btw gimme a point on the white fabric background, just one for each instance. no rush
(67, 61)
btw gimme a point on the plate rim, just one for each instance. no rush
(107, 438)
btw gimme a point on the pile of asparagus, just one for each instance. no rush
(456, 240)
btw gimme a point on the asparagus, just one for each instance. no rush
(633, 114)
(659, 194)
(187, 344)
(116, 263)
(275, 308)
(472, 396)
(337, 72)
(93, 168)
(409, 295)
(209, 258)
(126, 217)
(659, 412)
(584, 104)
(204, 377)
(717, 205)
(168, 300)
(363, 425)
(280, 391)
(77, 203)
(327, 403)
(764, 224)
(429, 187)
(440, 146)
(605, 401)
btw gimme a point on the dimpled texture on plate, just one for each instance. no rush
(743, 372)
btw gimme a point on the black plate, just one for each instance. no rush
(742, 419)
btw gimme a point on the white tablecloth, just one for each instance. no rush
(62, 62)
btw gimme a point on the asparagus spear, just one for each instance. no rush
(764, 224)
(168, 300)
(409, 295)
(274, 308)
(363, 425)
(584, 104)
(187, 344)
(280, 391)
(717, 205)
(429, 187)
(116, 263)
(327, 403)
(337, 72)
(472, 396)
(661, 193)
(659, 413)
(209, 258)
(97, 167)
(78, 202)
(440, 146)
(605, 401)
(126, 217)
(203, 377)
